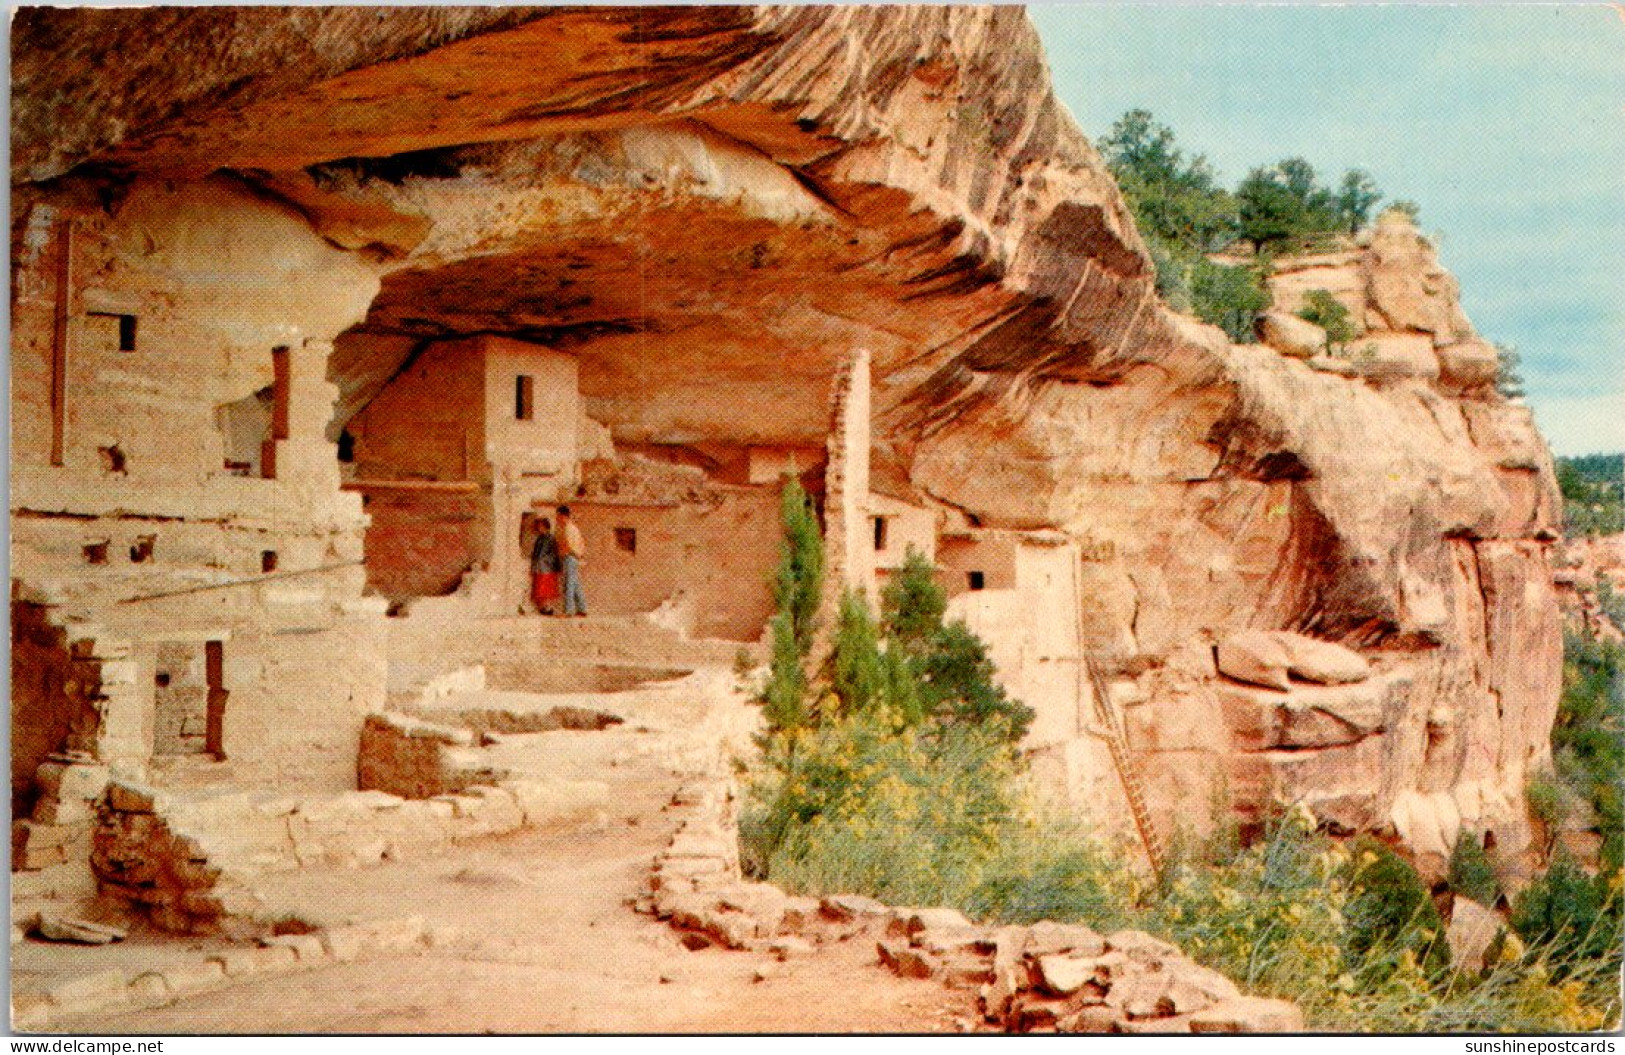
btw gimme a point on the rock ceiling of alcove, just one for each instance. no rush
(692, 318)
(282, 88)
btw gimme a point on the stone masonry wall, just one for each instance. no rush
(184, 299)
(415, 759)
(848, 539)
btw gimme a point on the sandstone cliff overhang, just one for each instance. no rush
(900, 178)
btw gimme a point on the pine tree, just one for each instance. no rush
(800, 580)
(857, 671)
(913, 603)
(796, 590)
(951, 677)
(784, 699)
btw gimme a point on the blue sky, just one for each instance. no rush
(1506, 124)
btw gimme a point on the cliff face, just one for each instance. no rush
(709, 208)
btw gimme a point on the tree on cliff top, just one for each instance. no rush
(1175, 201)
(1509, 372)
(1184, 214)
(1356, 197)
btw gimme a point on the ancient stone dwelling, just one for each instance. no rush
(313, 308)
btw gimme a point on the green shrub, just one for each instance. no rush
(1588, 736)
(784, 698)
(1547, 799)
(1327, 312)
(1471, 875)
(1612, 602)
(1173, 273)
(1573, 915)
(953, 681)
(1052, 869)
(1593, 490)
(1270, 916)
(1230, 298)
(799, 581)
(957, 687)
(1391, 913)
(858, 805)
(913, 603)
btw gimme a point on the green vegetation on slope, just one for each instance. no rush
(903, 782)
(1185, 215)
(1593, 494)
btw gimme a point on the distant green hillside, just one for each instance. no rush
(1593, 494)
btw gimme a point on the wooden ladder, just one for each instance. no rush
(1127, 771)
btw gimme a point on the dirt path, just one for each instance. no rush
(546, 942)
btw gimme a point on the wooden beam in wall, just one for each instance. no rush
(409, 485)
(59, 340)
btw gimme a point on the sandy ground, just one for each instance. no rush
(546, 942)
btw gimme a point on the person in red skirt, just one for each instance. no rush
(544, 568)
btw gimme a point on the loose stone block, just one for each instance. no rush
(194, 977)
(308, 947)
(149, 990)
(344, 944)
(237, 963)
(128, 797)
(1249, 1015)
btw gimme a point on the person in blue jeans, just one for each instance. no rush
(572, 554)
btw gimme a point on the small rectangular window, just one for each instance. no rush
(141, 551)
(976, 580)
(880, 533)
(267, 560)
(126, 328)
(96, 552)
(524, 397)
(627, 539)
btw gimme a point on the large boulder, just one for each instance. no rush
(1291, 335)
(1395, 357)
(1406, 287)
(1256, 657)
(1471, 932)
(1322, 661)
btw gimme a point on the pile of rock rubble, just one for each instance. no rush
(1047, 977)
